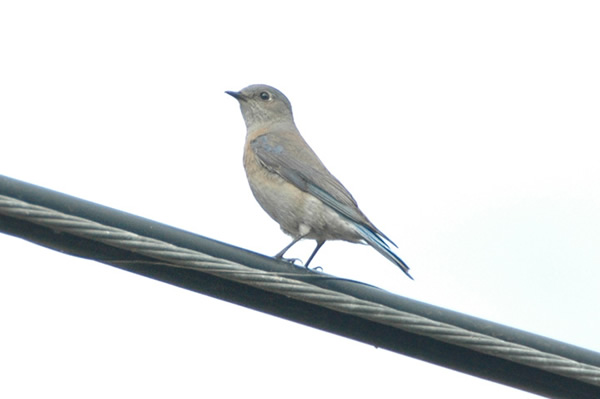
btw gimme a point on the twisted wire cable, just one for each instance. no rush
(174, 256)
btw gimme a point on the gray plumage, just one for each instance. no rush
(291, 183)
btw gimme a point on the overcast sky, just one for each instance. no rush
(468, 132)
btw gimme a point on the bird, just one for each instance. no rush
(293, 186)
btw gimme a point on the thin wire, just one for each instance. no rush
(278, 282)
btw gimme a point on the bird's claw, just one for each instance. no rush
(293, 261)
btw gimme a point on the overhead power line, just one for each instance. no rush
(348, 308)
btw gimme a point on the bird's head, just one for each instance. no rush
(263, 105)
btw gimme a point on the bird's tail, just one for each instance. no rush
(377, 242)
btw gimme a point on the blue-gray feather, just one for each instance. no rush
(306, 172)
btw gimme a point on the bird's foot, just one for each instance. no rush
(293, 261)
(315, 269)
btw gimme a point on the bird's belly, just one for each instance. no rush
(297, 212)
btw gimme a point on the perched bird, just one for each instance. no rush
(291, 183)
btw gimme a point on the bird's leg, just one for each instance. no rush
(310, 258)
(284, 250)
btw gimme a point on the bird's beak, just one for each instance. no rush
(237, 95)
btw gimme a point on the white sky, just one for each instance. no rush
(467, 131)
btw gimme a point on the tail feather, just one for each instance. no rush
(378, 243)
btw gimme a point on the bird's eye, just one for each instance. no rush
(265, 96)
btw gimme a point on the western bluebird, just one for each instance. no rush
(291, 183)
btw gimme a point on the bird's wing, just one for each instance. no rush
(299, 165)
